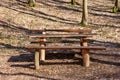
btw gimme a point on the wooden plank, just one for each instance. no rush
(60, 35)
(70, 30)
(85, 53)
(63, 30)
(67, 47)
(36, 60)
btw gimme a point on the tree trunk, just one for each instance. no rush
(119, 5)
(116, 6)
(73, 2)
(31, 3)
(116, 3)
(84, 14)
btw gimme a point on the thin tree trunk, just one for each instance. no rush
(73, 2)
(116, 3)
(116, 6)
(31, 3)
(84, 21)
(119, 5)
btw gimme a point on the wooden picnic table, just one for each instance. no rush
(83, 44)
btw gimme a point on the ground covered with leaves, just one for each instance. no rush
(17, 18)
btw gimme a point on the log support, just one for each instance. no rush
(36, 60)
(85, 53)
(42, 51)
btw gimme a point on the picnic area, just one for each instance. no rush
(66, 50)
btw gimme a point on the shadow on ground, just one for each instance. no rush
(49, 57)
(26, 74)
(63, 55)
(106, 76)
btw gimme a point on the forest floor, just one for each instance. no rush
(17, 18)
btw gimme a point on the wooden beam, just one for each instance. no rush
(42, 51)
(60, 35)
(85, 53)
(36, 60)
(66, 47)
(64, 30)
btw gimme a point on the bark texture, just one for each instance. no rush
(84, 21)
(31, 3)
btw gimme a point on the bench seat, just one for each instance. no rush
(67, 47)
(60, 35)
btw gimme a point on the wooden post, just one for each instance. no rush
(85, 53)
(42, 51)
(81, 44)
(86, 58)
(36, 60)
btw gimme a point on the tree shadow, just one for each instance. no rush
(62, 7)
(53, 3)
(102, 43)
(43, 15)
(40, 14)
(9, 46)
(49, 57)
(105, 15)
(106, 25)
(105, 62)
(69, 9)
(26, 74)
(16, 28)
(114, 47)
(21, 2)
(11, 26)
(106, 76)
(104, 9)
(60, 1)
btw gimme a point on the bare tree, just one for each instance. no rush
(31, 3)
(84, 21)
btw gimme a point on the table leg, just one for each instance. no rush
(86, 58)
(42, 51)
(36, 60)
(85, 53)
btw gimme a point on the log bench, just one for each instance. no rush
(83, 34)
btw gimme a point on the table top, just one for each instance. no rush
(60, 35)
(67, 47)
(64, 30)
